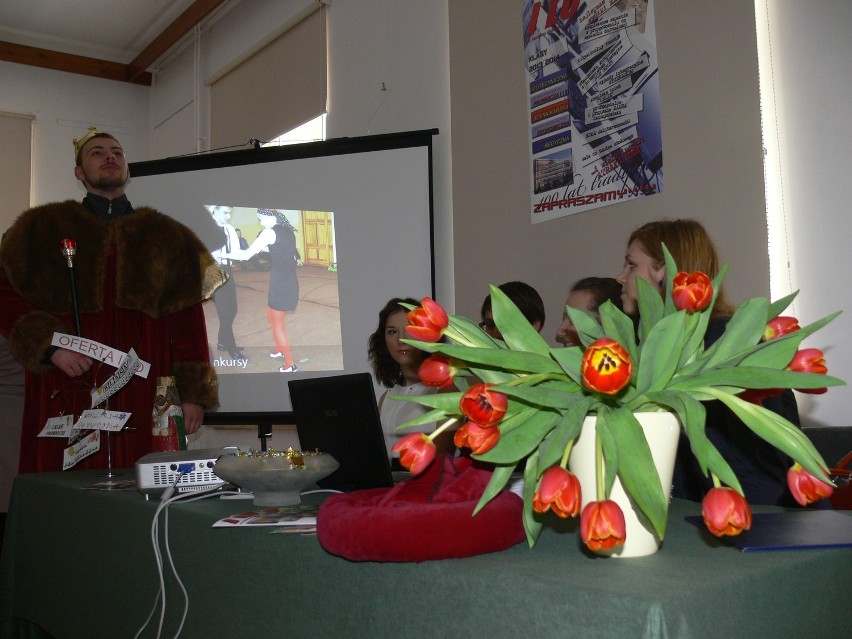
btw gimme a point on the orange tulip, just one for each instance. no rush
(606, 366)
(428, 321)
(692, 292)
(779, 326)
(602, 525)
(809, 360)
(483, 406)
(478, 438)
(805, 487)
(559, 491)
(416, 452)
(725, 512)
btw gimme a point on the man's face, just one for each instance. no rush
(221, 214)
(103, 167)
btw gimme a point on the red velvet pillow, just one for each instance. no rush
(428, 517)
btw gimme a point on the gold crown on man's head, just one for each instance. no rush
(91, 133)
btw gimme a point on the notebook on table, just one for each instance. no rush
(338, 415)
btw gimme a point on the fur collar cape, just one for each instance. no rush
(161, 265)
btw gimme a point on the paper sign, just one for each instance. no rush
(98, 351)
(119, 379)
(96, 419)
(89, 445)
(58, 426)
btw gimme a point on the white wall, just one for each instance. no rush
(811, 62)
(64, 106)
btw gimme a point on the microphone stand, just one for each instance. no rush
(69, 250)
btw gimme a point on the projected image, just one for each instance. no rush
(280, 309)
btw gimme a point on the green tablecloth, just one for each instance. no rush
(79, 563)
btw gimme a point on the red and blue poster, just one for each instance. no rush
(594, 104)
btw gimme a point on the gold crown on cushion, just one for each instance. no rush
(80, 142)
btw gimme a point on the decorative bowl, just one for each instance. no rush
(275, 478)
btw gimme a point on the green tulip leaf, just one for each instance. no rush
(661, 353)
(634, 462)
(499, 479)
(651, 307)
(532, 523)
(619, 327)
(520, 435)
(777, 307)
(516, 329)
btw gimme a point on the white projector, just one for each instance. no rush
(186, 470)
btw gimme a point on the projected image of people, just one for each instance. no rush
(296, 295)
(225, 298)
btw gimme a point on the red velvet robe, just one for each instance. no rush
(139, 282)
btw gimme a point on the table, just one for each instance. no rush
(79, 563)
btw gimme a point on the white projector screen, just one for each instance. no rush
(362, 213)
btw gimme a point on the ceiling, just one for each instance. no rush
(115, 39)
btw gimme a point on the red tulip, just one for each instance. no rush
(483, 406)
(725, 512)
(478, 438)
(779, 326)
(809, 360)
(805, 487)
(428, 321)
(606, 366)
(559, 491)
(602, 525)
(416, 452)
(436, 370)
(692, 292)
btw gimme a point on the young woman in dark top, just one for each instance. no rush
(760, 467)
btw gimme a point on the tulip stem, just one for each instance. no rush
(564, 462)
(442, 428)
(716, 482)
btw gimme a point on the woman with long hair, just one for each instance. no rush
(760, 467)
(395, 365)
(278, 237)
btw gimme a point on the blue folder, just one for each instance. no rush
(791, 530)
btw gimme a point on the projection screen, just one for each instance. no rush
(360, 210)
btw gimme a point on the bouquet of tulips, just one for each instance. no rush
(529, 400)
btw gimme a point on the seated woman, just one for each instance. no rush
(587, 294)
(395, 366)
(760, 467)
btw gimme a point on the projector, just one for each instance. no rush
(186, 470)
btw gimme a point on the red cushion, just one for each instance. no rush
(428, 517)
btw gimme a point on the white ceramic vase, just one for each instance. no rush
(662, 431)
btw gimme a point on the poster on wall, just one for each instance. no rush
(594, 104)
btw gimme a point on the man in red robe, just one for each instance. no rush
(140, 279)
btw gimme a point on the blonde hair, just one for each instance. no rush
(691, 247)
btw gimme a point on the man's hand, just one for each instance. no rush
(71, 363)
(193, 416)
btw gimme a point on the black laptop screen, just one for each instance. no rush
(338, 415)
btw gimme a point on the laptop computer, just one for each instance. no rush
(338, 415)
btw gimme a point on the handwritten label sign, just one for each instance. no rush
(89, 445)
(110, 420)
(119, 379)
(98, 351)
(61, 426)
